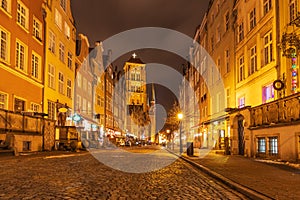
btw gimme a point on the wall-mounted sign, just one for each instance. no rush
(278, 85)
(76, 118)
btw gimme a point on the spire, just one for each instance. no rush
(153, 94)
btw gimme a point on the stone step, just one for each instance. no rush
(7, 152)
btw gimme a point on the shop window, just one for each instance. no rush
(267, 93)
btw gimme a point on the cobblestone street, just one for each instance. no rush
(81, 176)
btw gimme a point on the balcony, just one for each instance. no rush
(285, 111)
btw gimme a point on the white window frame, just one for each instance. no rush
(37, 29)
(70, 60)
(51, 107)
(21, 99)
(69, 88)
(61, 82)
(268, 47)
(6, 6)
(241, 102)
(58, 19)
(21, 56)
(253, 60)
(67, 30)
(4, 45)
(241, 32)
(241, 69)
(52, 41)
(61, 52)
(51, 76)
(22, 15)
(36, 63)
(252, 18)
(3, 100)
(34, 107)
(261, 145)
(267, 6)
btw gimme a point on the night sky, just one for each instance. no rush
(101, 19)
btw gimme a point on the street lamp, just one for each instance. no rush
(180, 116)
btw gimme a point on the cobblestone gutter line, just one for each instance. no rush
(252, 194)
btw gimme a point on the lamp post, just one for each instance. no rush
(180, 116)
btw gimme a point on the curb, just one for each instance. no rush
(252, 194)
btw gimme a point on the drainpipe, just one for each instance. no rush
(280, 94)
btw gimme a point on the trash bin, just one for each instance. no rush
(190, 149)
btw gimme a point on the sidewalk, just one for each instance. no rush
(278, 181)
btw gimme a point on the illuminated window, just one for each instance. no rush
(67, 30)
(261, 145)
(51, 110)
(58, 19)
(70, 57)
(268, 48)
(51, 76)
(273, 145)
(36, 66)
(3, 101)
(267, 6)
(241, 102)
(37, 29)
(61, 52)
(60, 83)
(4, 45)
(34, 107)
(293, 8)
(241, 75)
(6, 5)
(268, 93)
(52, 39)
(252, 19)
(69, 88)
(218, 34)
(241, 32)
(20, 56)
(253, 60)
(22, 15)
(19, 105)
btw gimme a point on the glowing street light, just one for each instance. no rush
(180, 117)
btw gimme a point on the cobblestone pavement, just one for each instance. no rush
(81, 176)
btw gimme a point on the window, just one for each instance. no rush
(19, 105)
(98, 100)
(253, 60)
(79, 80)
(69, 88)
(26, 145)
(35, 107)
(218, 34)
(241, 102)
(293, 9)
(261, 145)
(227, 21)
(268, 93)
(35, 66)
(3, 101)
(219, 68)
(89, 108)
(52, 38)
(51, 110)
(273, 145)
(67, 30)
(22, 15)
(267, 6)
(84, 105)
(70, 56)
(6, 5)
(63, 4)
(78, 103)
(4, 45)
(132, 76)
(228, 97)
(268, 48)
(241, 32)
(58, 19)
(51, 76)
(84, 84)
(252, 19)
(89, 89)
(60, 83)
(138, 76)
(212, 43)
(20, 56)
(241, 75)
(61, 52)
(37, 29)
(227, 56)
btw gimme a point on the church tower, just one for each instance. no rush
(136, 95)
(152, 115)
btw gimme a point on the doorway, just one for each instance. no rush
(241, 134)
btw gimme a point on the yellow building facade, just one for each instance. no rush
(60, 45)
